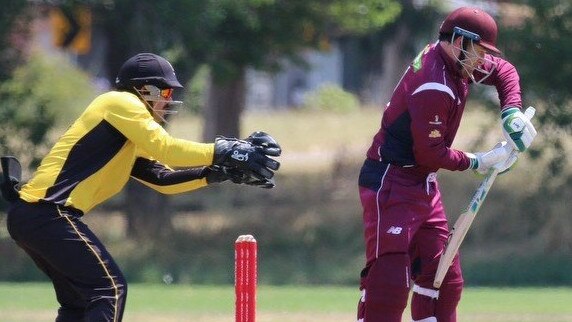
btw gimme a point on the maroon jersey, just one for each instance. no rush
(421, 119)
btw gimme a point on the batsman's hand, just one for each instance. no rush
(248, 157)
(517, 128)
(501, 156)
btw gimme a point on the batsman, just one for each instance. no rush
(118, 136)
(405, 226)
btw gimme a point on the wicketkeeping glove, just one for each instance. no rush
(269, 146)
(517, 128)
(245, 156)
(218, 173)
(265, 142)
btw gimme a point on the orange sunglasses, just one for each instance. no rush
(167, 93)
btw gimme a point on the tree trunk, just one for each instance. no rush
(148, 212)
(394, 62)
(225, 103)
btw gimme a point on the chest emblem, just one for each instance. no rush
(436, 121)
(435, 134)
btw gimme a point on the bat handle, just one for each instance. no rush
(529, 112)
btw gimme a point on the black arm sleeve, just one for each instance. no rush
(158, 174)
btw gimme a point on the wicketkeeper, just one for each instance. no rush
(119, 135)
(405, 226)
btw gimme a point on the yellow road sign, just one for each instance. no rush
(72, 28)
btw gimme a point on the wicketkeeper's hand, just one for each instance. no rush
(248, 161)
(221, 173)
(265, 142)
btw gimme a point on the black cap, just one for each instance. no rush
(147, 69)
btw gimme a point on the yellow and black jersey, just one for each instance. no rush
(114, 138)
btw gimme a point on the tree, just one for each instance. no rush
(231, 35)
(17, 116)
(537, 45)
(33, 102)
(13, 34)
(131, 27)
(378, 59)
(228, 36)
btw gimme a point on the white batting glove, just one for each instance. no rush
(500, 157)
(507, 164)
(517, 128)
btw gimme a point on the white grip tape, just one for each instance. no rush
(434, 294)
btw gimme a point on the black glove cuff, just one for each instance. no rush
(215, 174)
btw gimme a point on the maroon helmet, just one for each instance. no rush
(475, 21)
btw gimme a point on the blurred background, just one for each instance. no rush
(315, 75)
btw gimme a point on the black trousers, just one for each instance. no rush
(88, 283)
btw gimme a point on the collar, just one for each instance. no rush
(450, 63)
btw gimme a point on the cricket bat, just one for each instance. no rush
(465, 220)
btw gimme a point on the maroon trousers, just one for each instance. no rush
(405, 230)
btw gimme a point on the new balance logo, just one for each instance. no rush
(394, 230)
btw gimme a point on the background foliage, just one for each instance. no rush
(33, 101)
(331, 98)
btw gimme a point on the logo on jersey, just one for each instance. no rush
(436, 121)
(394, 230)
(435, 134)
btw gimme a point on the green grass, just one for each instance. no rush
(35, 302)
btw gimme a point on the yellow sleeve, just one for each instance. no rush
(128, 114)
